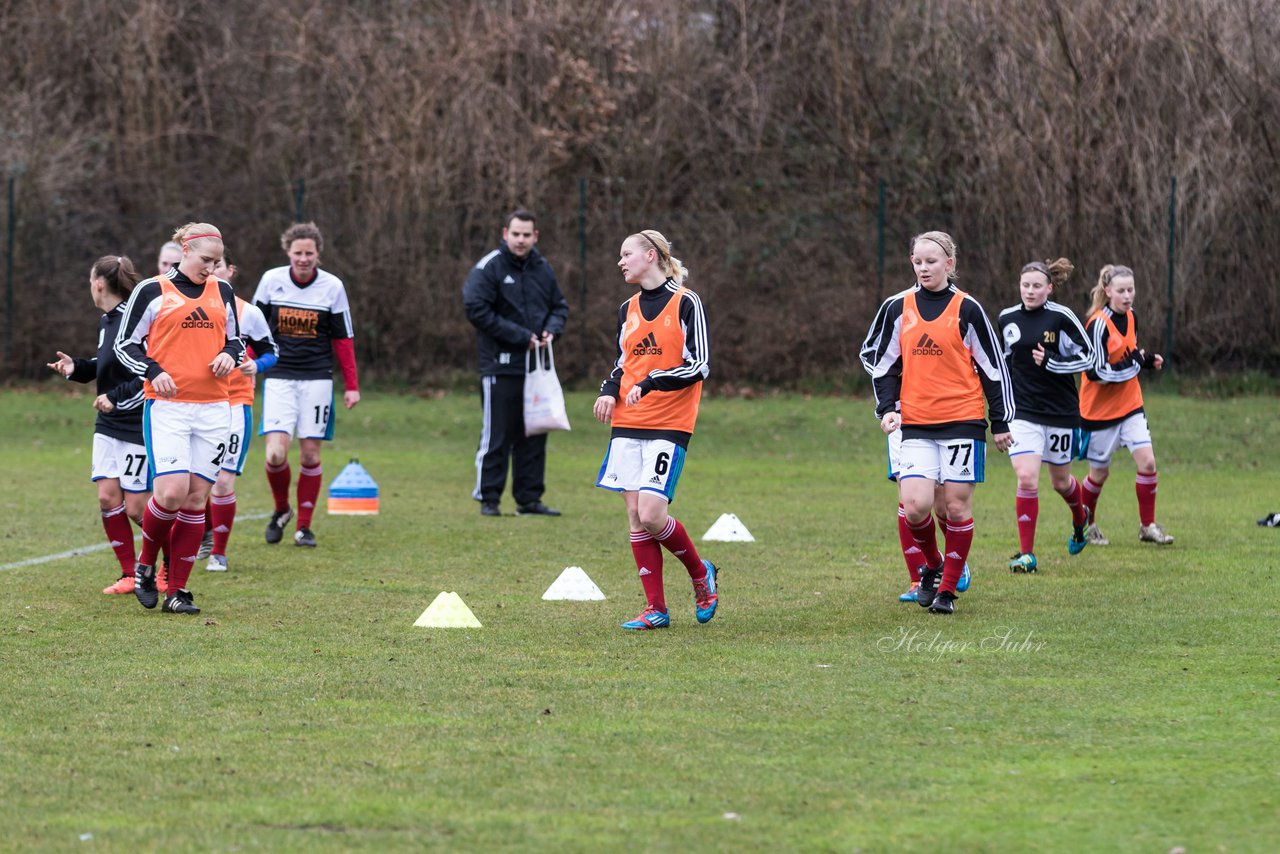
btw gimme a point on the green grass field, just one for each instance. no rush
(1122, 700)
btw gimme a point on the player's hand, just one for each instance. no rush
(164, 385)
(249, 368)
(1038, 354)
(1003, 441)
(633, 396)
(65, 364)
(350, 398)
(1159, 361)
(222, 365)
(102, 404)
(603, 410)
(891, 421)
(546, 338)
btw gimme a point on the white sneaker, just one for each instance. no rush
(1153, 533)
(1093, 536)
(217, 563)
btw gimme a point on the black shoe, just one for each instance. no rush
(304, 537)
(536, 508)
(1271, 520)
(275, 528)
(144, 585)
(206, 546)
(929, 581)
(181, 602)
(943, 603)
(489, 508)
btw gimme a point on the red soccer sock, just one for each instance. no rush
(279, 477)
(648, 555)
(308, 493)
(1027, 507)
(156, 523)
(1145, 486)
(208, 514)
(910, 551)
(1090, 492)
(188, 531)
(1075, 500)
(926, 537)
(676, 540)
(959, 539)
(222, 511)
(120, 535)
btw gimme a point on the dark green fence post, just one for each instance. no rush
(880, 218)
(300, 200)
(582, 241)
(1173, 225)
(8, 277)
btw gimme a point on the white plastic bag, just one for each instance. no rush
(543, 397)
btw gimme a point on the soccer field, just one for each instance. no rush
(1122, 700)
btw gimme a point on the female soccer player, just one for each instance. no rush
(651, 397)
(933, 354)
(1111, 401)
(119, 455)
(262, 354)
(1044, 347)
(310, 319)
(180, 332)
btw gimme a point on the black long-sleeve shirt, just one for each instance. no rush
(1045, 393)
(121, 386)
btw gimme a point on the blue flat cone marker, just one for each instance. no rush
(353, 492)
(448, 611)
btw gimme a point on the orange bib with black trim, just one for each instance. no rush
(939, 383)
(184, 338)
(1108, 401)
(655, 345)
(239, 387)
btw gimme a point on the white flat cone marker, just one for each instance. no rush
(575, 584)
(729, 529)
(448, 611)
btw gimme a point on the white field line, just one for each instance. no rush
(96, 547)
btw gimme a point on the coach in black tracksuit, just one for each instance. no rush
(513, 300)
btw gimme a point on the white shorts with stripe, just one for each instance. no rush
(1130, 433)
(1052, 444)
(186, 437)
(943, 460)
(116, 459)
(240, 430)
(301, 408)
(642, 465)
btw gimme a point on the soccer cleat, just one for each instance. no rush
(1153, 533)
(1078, 540)
(490, 508)
(217, 563)
(1271, 520)
(929, 581)
(910, 595)
(943, 603)
(144, 585)
(963, 584)
(123, 584)
(1021, 563)
(304, 537)
(1093, 536)
(536, 508)
(162, 576)
(181, 602)
(275, 528)
(705, 594)
(650, 618)
(206, 546)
